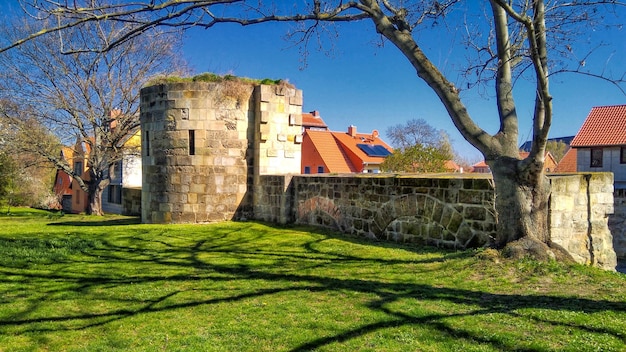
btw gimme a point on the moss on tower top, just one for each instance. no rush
(212, 77)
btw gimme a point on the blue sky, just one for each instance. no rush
(374, 87)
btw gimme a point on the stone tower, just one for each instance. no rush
(205, 144)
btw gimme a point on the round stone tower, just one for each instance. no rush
(204, 144)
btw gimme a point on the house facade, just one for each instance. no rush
(125, 180)
(600, 143)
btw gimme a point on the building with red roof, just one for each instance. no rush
(549, 164)
(568, 162)
(325, 151)
(601, 142)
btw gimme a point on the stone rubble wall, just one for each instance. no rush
(452, 211)
(448, 211)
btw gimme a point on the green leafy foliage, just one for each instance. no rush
(417, 158)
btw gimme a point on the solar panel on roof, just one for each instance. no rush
(374, 150)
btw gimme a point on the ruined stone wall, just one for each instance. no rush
(449, 211)
(203, 143)
(617, 223)
(580, 206)
(454, 211)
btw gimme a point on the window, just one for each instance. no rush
(596, 157)
(192, 142)
(78, 168)
(115, 194)
(622, 155)
(307, 170)
(320, 169)
(147, 140)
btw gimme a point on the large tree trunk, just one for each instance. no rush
(522, 192)
(96, 187)
(94, 199)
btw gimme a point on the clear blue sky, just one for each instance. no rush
(375, 87)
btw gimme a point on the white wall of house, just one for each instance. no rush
(131, 171)
(128, 175)
(610, 162)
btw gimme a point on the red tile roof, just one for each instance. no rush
(568, 163)
(313, 119)
(349, 144)
(331, 152)
(339, 150)
(604, 126)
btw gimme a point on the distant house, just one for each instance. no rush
(325, 151)
(73, 199)
(601, 143)
(548, 166)
(62, 187)
(125, 174)
(313, 121)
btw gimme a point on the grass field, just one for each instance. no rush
(78, 283)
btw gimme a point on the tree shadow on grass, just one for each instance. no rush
(109, 222)
(176, 261)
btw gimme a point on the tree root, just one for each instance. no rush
(533, 248)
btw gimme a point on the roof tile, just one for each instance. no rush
(604, 126)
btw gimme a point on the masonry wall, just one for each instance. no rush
(617, 223)
(448, 211)
(204, 143)
(580, 207)
(454, 211)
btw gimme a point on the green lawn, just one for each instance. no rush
(77, 283)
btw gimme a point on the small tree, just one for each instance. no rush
(417, 158)
(89, 97)
(557, 148)
(419, 147)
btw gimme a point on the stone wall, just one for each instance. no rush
(450, 211)
(203, 143)
(453, 211)
(131, 201)
(580, 206)
(617, 223)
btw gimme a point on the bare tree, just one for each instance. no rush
(415, 131)
(517, 38)
(86, 98)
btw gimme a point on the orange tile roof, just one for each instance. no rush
(568, 162)
(331, 152)
(313, 119)
(604, 126)
(349, 143)
(450, 165)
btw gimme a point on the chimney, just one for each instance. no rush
(315, 113)
(352, 130)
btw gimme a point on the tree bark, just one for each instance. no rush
(94, 199)
(522, 192)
